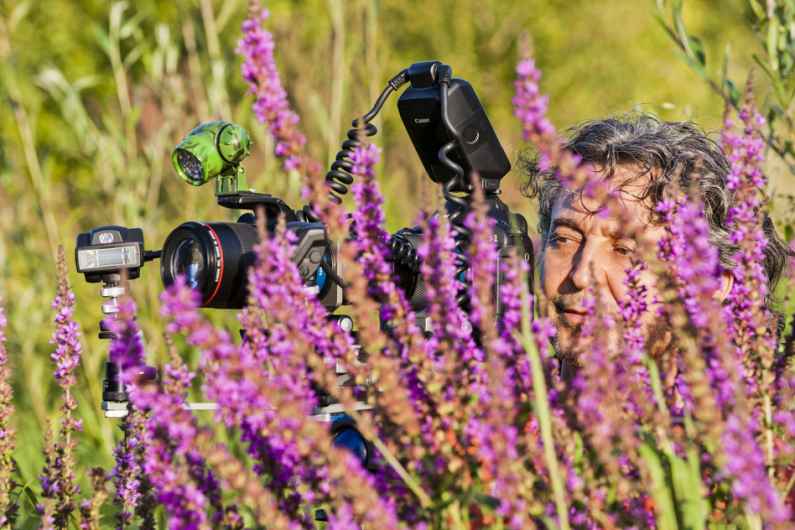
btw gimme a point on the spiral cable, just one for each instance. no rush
(339, 177)
(457, 205)
(402, 252)
(457, 208)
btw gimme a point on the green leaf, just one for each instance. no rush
(774, 80)
(732, 91)
(758, 10)
(663, 501)
(131, 26)
(678, 22)
(133, 56)
(695, 510)
(772, 44)
(664, 24)
(103, 39)
(697, 48)
(724, 68)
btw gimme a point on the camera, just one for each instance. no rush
(453, 138)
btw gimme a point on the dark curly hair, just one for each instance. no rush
(671, 153)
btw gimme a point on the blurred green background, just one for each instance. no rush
(95, 94)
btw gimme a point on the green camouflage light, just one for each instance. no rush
(213, 149)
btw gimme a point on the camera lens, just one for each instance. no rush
(213, 258)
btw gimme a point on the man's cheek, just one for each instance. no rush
(548, 272)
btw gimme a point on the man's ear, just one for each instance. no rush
(727, 282)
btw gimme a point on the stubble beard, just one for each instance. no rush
(657, 340)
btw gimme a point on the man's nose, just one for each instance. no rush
(584, 262)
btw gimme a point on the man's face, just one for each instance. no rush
(591, 244)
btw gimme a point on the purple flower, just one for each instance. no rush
(694, 262)
(168, 437)
(299, 333)
(67, 332)
(134, 491)
(368, 220)
(530, 105)
(373, 254)
(58, 476)
(746, 464)
(174, 465)
(602, 394)
(632, 309)
(128, 471)
(451, 342)
(235, 377)
(747, 298)
(751, 324)
(271, 106)
(698, 271)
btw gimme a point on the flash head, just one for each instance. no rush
(437, 110)
(212, 149)
(109, 250)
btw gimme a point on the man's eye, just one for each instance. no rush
(623, 250)
(557, 240)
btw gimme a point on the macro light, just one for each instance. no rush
(213, 150)
(110, 249)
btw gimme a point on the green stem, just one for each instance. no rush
(787, 489)
(337, 12)
(424, 498)
(219, 97)
(771, 471)
(455, 514)
(541, 399)
(120, 79)
(754, 521)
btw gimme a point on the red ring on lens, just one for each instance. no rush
(219, 255)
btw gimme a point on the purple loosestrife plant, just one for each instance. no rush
(495, 427)
(276, 289)
(90, 508)
(530, 105)
(7, 434)
(698, 273)
(693, 261)
(605, 404)
(451, 343)
(133, 488)
(170, 433)
(271, 106)
(373, 254)
(747, 298)
(274, 361)
(59, 487)
(132, 485)
(530, 108)
(635, 372)
(450, 346)
(752, 325)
